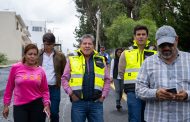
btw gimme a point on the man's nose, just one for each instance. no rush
(87, 45)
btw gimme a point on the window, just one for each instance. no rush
(37, 28)
(17, 26)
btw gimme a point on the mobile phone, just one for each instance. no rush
(172, 90)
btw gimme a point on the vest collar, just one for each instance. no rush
(135, 46)
(79, 52)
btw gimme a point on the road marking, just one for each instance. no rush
(123, 96)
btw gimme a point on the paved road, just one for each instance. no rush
(3, 78)
(110, 112)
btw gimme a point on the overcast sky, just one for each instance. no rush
(61, 14)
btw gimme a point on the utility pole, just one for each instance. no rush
(98, 28)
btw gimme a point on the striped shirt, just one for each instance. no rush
(155, 74)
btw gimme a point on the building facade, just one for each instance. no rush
(37, 30)
(14, 35)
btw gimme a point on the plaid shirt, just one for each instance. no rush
(155, 74)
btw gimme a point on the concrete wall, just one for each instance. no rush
(36, 36)
(11, 32)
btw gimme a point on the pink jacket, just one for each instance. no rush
(27, 84)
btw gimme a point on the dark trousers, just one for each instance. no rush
(118, 83)
(55, 97)
(30, 112)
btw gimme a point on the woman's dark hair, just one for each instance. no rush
(140, 27)
(116, 61)
(49, 37)
(117, 51)
(27, 48)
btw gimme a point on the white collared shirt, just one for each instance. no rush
(48, 66)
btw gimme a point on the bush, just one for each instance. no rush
(3, 58)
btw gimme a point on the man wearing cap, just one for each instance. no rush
(164, 80)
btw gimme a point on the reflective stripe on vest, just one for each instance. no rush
(77, 64)
(134, 60)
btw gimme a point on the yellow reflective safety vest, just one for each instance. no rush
(77, 63)
(134, 60)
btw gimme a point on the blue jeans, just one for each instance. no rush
(118, 83)
(55, 101)
(134, 107)
(90, 110)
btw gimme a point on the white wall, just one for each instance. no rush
(11, 41)
(36, 36)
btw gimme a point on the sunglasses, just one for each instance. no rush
(166, 45)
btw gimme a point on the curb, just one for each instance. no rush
(4, 66)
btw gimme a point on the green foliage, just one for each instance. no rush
(3, 58)
(110, 10)
(145, 12)
(87, 15)
(87, 9)
(175, 13)
(164, 12)
(84, 28)
(182, 24)
(120, 33)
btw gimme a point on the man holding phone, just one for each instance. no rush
(172, 90)
(164, 80)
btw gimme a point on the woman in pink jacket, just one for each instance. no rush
(27, 81)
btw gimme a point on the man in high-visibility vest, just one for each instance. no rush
(129, 64)
(86, 80)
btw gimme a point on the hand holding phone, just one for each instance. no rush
(172, 90)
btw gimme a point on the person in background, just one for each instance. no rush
(86, 80)
(53, 63)
(118, 83)
(28, 82)
(129, 64)
(106, 55)
(164, 80)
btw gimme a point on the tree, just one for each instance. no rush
(3, 58)
(88, 21)
(133, 8)
(175, 13)
(120, 33)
